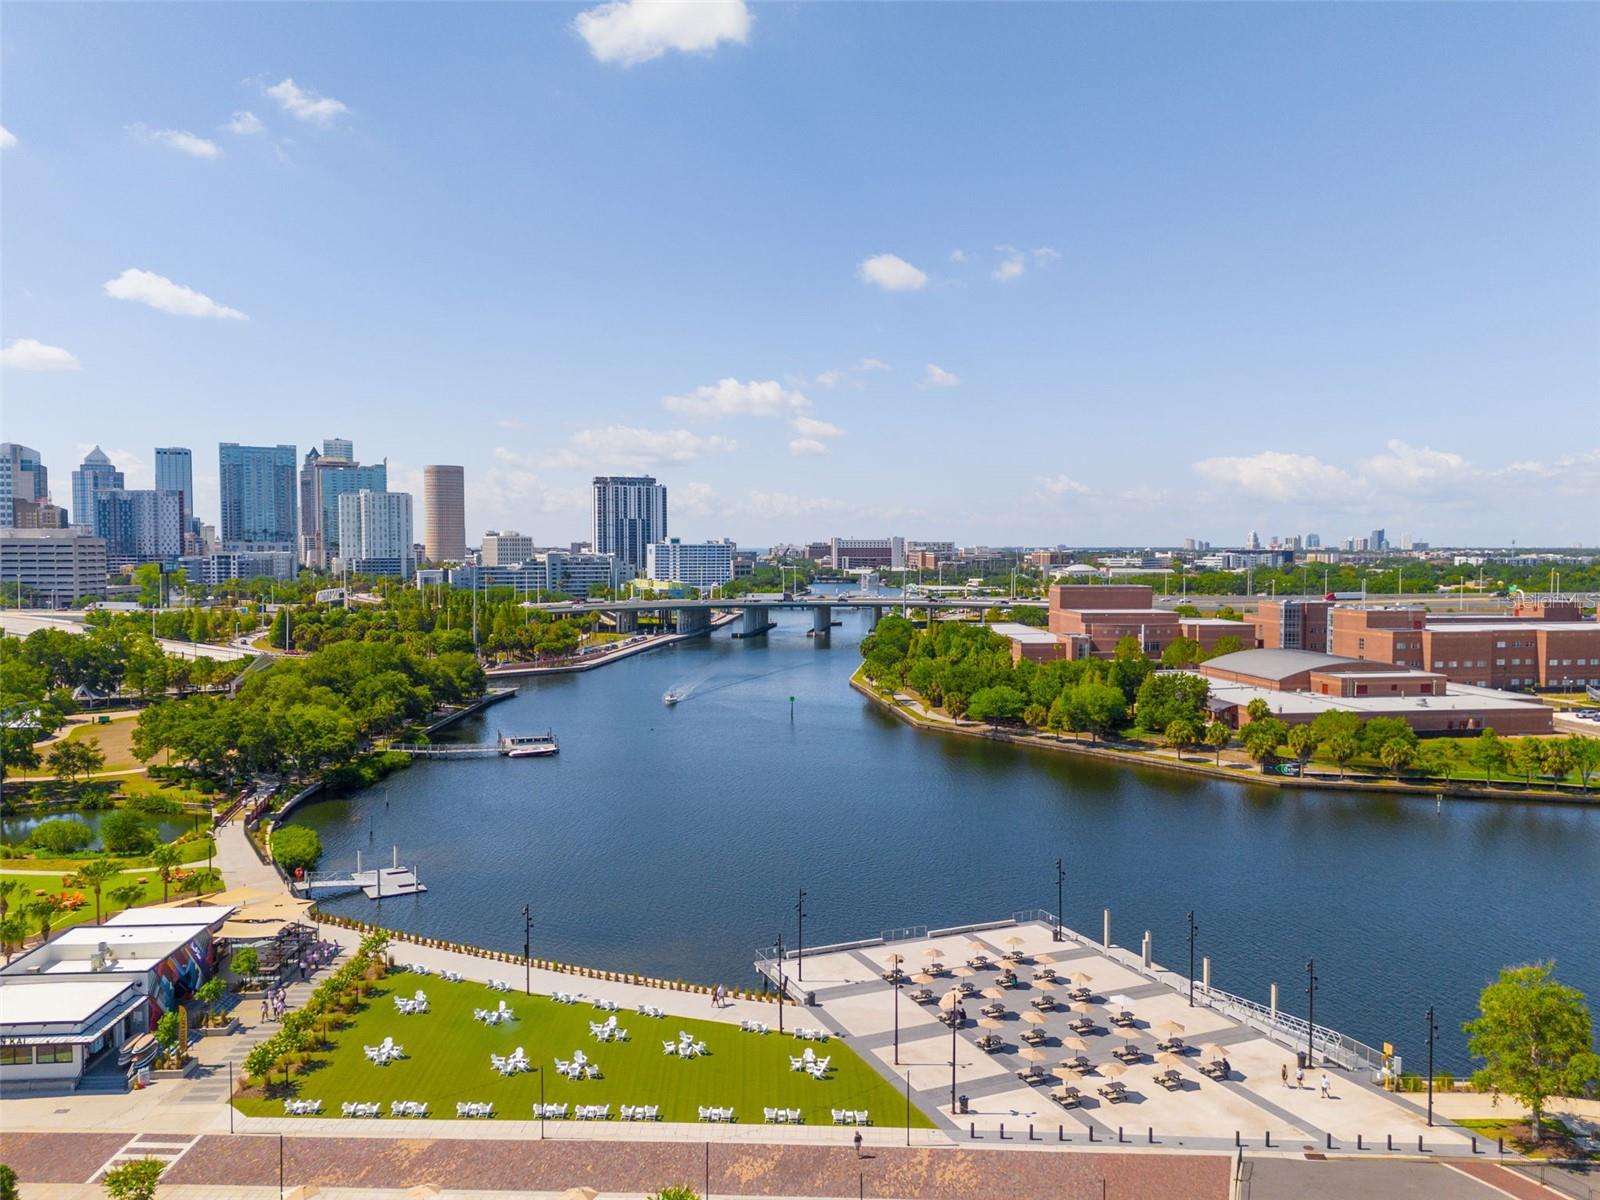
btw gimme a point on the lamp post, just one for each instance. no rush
(527, 961)
(1061, 877)
(1311, 1011)
(540, 1071)
(780, 982)
(1193, 929)
(951, 1004)
(1433, 1034)
(897, 1020)
(800, 914)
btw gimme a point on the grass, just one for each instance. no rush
(449, 1062)
(1557, 1142)
(53, 885)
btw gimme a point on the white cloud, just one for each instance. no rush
(693, 499)
(27, 354)
(1279, 476)
(180, 140)
(244, 123)
(1012, 264)
(1046, 253)
(779, 505)
(729, 397)
(1410, 468)
(959, 256)
(1064, 485)
(891, 273)
(159, 292)
(306, 105)
(935, 376)
(834, 376)
(635, 31)
(7, 138)
(806, 448)
(510, 423)
(631, 446)
(812, 428)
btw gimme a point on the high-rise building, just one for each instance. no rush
(698, 564)
(22, 477)
(175, 473)
(339, 449)
(323, 479)
(52, 567)
(1378, 540)
(504, 548)
(139, 525)
(375, 533)
(630, 512)
(444, 520)
(96, 474)
(889, 553)
(1253, 542)
(1313, 541)
(258, 496)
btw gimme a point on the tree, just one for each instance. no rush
(1381, 730)
(134, 1180)
(8, 1183)
(1302, 743)
(1535, 1038)
(212, 993)
(1181, 652)
(1218, 735)
(61, 836)
(1555, 757)
(1127, 648)
(1227, 644)
(1035, 715)
(94, 875)
(1100, 705)
(244, 963)
(1528, 755)
(994, 704)
(1340, 749)
(1261, 739)
(164, 858)
(44, 910)
(1258, 709)
(1440, 757)
(1168, 696)
(1326, 724)
(259, 1062)
(1183, 733)
(127, 895)
(8, 889)
(74, 761)
(1488, 753)
(125, 832)
(296, 847)
(13, 933)
(1397, 754)
(1585, 756)
(147, 579)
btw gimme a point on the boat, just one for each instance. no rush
(672, 695)
(529, 745)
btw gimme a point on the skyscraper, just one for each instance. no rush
(375, 533)
(175, 473)
(630, 512)
(96, 474)
(22, 477)
(1378, 540)
(323, 479)
(139, 525)
(444, 525)
(258, 496)
(339, 449)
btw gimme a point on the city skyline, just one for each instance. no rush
(831, 317)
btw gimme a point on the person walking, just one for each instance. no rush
(263, 1010)
(1283, 1074)
(1299, 1078)
(1327, 1087)
(858, 1143)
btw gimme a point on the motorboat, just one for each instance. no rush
(529, 745)
(672, 695)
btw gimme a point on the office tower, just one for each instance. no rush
(52, 568)
(139, 525)
(1253, 542)
(175, 473)
(444, 526)
(504, 548)
(698, 564)
(375, 533)
(24, 479)
(1313, 541)
(258, 496)
(630, 512)
(94, 475)
(1378, 540)
(339, 449)
(323, 480)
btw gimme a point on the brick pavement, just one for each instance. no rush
(614, 1166)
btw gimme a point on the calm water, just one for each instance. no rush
(14, 830)
(672, 841)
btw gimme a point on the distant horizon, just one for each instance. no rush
(1039, 274)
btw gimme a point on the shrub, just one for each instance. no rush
(296, 846)
(61, 836)
(245, 962)
(124, 832)
(134, 1180)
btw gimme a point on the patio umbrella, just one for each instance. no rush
(978, 948)
(1215, 1051)
(933, 952)
(922, 977)
(994, 993)
(1045, 985)
(950, 1000)
(1033, 1018)
(963, 972)
(1112, 1069)
(1013, 941)
(1031, 1054)
(1081, 977)
(1170, 1027)
(1074, 1043)
(1168, 1059)
(1080, 1006)
(894, 960)
(990, 1023)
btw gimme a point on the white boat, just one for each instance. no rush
(529, 745)
(673, 695)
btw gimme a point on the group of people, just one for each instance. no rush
(274, 1004)
(1325, 1089)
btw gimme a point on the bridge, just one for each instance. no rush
(755, 611)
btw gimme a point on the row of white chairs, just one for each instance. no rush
(605, 1005)
(651, 1010)
(591, 1112)
(471, 1108)
(687, 1048)
(357, 1109)
(563, 997)
(416, 1004)
(608, 1032)
(783, 1116)
(716, 1114)
(408, 1108)
(417, 968)
(811, 1035)
(577, 1070)
(493, 1016)
(851, 1116)
(451, 976)
(499, 985)
(641, 1112)
(754, 1026)
(302, 1108)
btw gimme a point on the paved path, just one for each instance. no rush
(22, 623)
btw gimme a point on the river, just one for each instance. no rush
(672, 841)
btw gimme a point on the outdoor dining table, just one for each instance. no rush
(1045, 973)
(1214, 1069)
(1128, 1053)
(925, 996)
(1172, 1045)
(993, 1010)
(1114, 1092)
(1035, 1037)
(990, 1042)
(1081, 1025)
(1043, 1003)
(1081, 994)
(1124, 1019)
(1079, 1064)
(966, 988)
(1067, 1097)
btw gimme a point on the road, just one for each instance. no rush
(22, 622)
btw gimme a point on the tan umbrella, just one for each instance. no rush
(1046, 959)
(1033, 1018)
(995, 993)
(950, 1000)
(1215, 1051)
(1031, 1054)
(1045, 985)
(893, 960)
(963, 972)
(1074, 1043)
(990, 1023)
(1013, 941)
(1169, 1059)
(933, 952)
(1112, 1069)
(1170, 1027)
(978, 948)
(1081, 977)
(922, 977)
(1081, 1006)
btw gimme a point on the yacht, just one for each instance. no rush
(529, 745)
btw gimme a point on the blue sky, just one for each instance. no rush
(1005, 273)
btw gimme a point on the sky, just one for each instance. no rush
(1005, 274)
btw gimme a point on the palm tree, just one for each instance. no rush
(127, 895)
(164, 858)
(94, 875)
(44, 909)
(13, 932)
(8, 888)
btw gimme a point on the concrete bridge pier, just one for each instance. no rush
(874, 614)
(692, 620)
(821, 620)
(627, 621)
(755, 621)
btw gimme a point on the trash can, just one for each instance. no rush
(962, 1104)
(1301, 1060)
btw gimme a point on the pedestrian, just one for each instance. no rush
(1299, 1078)
(1326, 1087)
(1283, 1074)
(263, 1011)
(858, 1143)
(302, 969)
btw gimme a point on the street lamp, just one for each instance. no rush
(1311, 1010)
(951, 1003)
(800, 913)
(780, 981)
(527, 961)
(1061, 877)
(1433, 1034)
(1193, 929)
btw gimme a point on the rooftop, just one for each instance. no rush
(1510, 626)
(1460, 698)
(67, 1001)
(1274, 664)
(1030, 634)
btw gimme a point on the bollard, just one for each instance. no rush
(1419, 1144)
(1359, 1146)
(1031, 1138)
(1502, 1144)
(972, 1129)
(1327, 1140)
(1274, 1002)
(1120, 1138)
(1107, 923)
(1391, 1140)
(1474, 1145)
(1150, 1134)
(1236, 1142)
(1061, 1133)
(1205, 972)
(1091, 1133)
(1269, 1139)
(1002, 1131)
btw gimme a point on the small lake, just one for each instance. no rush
(16, 829)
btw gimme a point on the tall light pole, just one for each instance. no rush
(1061, 877)
(1193, 929)
(897, 1020)
(1433, 1034)
(800, 921)
(1311, 1011)
(527, 960)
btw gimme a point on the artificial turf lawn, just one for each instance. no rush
(447, 1060)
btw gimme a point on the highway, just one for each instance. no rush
(22, 622)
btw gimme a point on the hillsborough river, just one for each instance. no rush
(672, 841)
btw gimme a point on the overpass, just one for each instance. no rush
(20, 622)
(755, 611)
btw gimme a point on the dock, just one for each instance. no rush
(393, 880)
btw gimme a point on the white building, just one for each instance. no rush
(698, 564)
(375, 533)
(629, 513)
(52, 567)
(212, 569)
(503, 548)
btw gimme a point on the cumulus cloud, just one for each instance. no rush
(306, 105)
(630, 446)
(891, 273)
(146, 287)
(779, 505)
(810, 427)
(1410, 468)
(180, 140)
(1276, 475)
(28, 354)
(729, 397)
(244, 123)
(959, 257)
(851, 374)
(1064, 485)
(7, 138)
(1012, 264)
(630, 32)
(935, 376)
(1046, 253)
(510, 423)
(693, 499)
(807, 447)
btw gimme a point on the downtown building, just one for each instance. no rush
(444, 508)
(324, 478)
(220, 566)
(258, 497)
(628, 515)
(25, 491)
(504, 548)
(97, 473)
(375, 533)
(847, 554)
(52, 568)
(175, 473)
(571, 573)
(699, 564)
(139, 525)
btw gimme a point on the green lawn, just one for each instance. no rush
(449, 1062)
(52, 884)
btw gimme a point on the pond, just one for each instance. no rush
(15, 829)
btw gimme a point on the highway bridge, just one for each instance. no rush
(755, 611)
